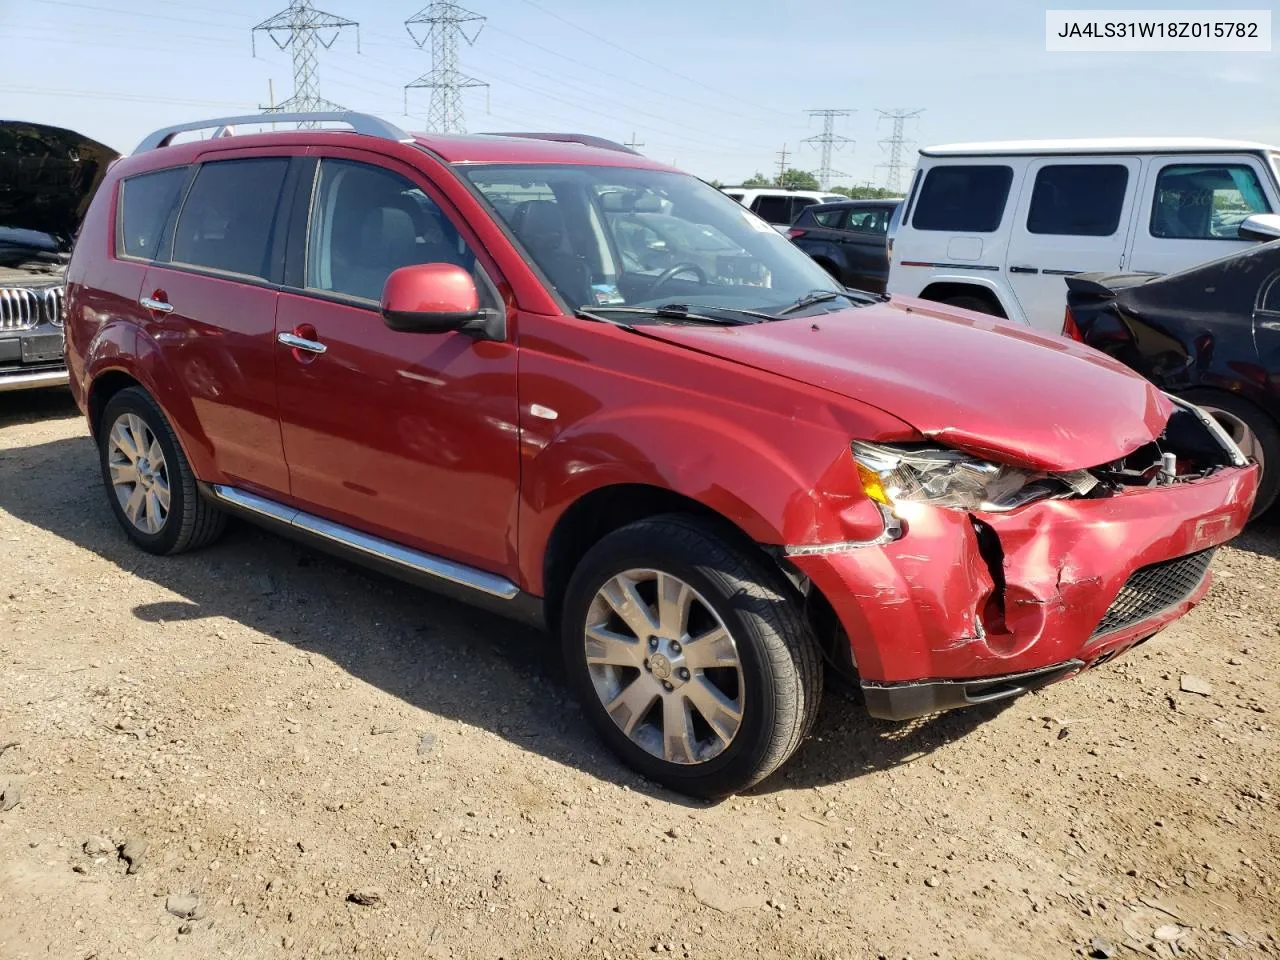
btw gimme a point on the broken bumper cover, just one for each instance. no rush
(902, 701)
(969, 608)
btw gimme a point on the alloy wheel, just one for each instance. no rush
(139, 474)
(664, 666)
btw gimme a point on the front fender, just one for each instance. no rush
(778, 480)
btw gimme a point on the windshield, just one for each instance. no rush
(612, 236)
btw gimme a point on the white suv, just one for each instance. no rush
(996, 227)
(777, 205)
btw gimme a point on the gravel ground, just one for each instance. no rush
(257, 751)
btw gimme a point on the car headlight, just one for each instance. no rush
(948, 478)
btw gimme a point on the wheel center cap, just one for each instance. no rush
(660, 666)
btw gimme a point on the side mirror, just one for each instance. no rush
(430, 298)
(1260, 226)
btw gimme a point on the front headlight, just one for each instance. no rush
(948, 478)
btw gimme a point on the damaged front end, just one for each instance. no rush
(999, 579)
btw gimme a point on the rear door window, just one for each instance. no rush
(963, 199)
(146, 201)
(1078, 199)
(773, 209)
(799, 205)
(226, 221)
(830, 218)
(1201, 201)
(875, 220)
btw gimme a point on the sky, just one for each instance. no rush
(714, 87)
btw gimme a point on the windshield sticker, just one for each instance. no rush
(606, 294)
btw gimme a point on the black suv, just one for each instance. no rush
(850, 239)
(47, 177)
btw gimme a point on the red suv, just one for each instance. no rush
(548, 375)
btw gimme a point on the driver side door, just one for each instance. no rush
(409, 436)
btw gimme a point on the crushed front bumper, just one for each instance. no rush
(968, 608)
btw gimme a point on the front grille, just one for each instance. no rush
(1153, 589)
(22, 308)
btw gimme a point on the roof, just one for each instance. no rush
(490, 148)
(1110, 145)
(789, 191)
(516, 147)
(860, 202)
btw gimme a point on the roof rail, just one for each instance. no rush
(585, 139)
(361, 123)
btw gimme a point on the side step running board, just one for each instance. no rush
(408, 561)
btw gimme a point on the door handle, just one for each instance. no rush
(155, 306)
(301, 343)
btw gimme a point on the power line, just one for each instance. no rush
(633, 142)
(896, 143)
(664, 67)
(300, 28)
(828, 140)
(445, 23)
(130, 13)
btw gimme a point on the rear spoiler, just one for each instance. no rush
(1105, 286)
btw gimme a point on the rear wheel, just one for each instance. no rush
(149, 482)
(1254, 432)
(690, 656)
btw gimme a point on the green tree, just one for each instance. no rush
(757, 180)
(794, 179)
(866, 193)
(715, 183)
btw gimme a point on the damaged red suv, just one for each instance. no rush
(545, 374)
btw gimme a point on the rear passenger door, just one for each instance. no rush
(409, 436)
(1192, 206)
(1073, 217)
(865, 239)
(208, 308)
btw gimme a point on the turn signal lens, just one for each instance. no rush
(872, 486)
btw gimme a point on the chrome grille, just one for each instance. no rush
(22, 308)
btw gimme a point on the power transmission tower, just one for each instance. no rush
(896, 144)
(782, 163)
(633, 142)
(443, 22)
(828, 140)
(301, 27)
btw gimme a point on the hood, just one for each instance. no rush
(969, 381)
(47, 178)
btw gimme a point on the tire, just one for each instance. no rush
(774, 684)
(1256, 432)
(976, 304)
(189, 521)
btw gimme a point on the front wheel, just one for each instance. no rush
(690, 656)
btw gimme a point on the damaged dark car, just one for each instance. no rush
(47, 177)
(1210, 335)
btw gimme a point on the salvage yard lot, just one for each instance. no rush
(318, 761)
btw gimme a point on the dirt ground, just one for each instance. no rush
(256, 751)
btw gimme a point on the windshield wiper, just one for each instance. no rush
(814, 297)
(686, 307)
(669, 311)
